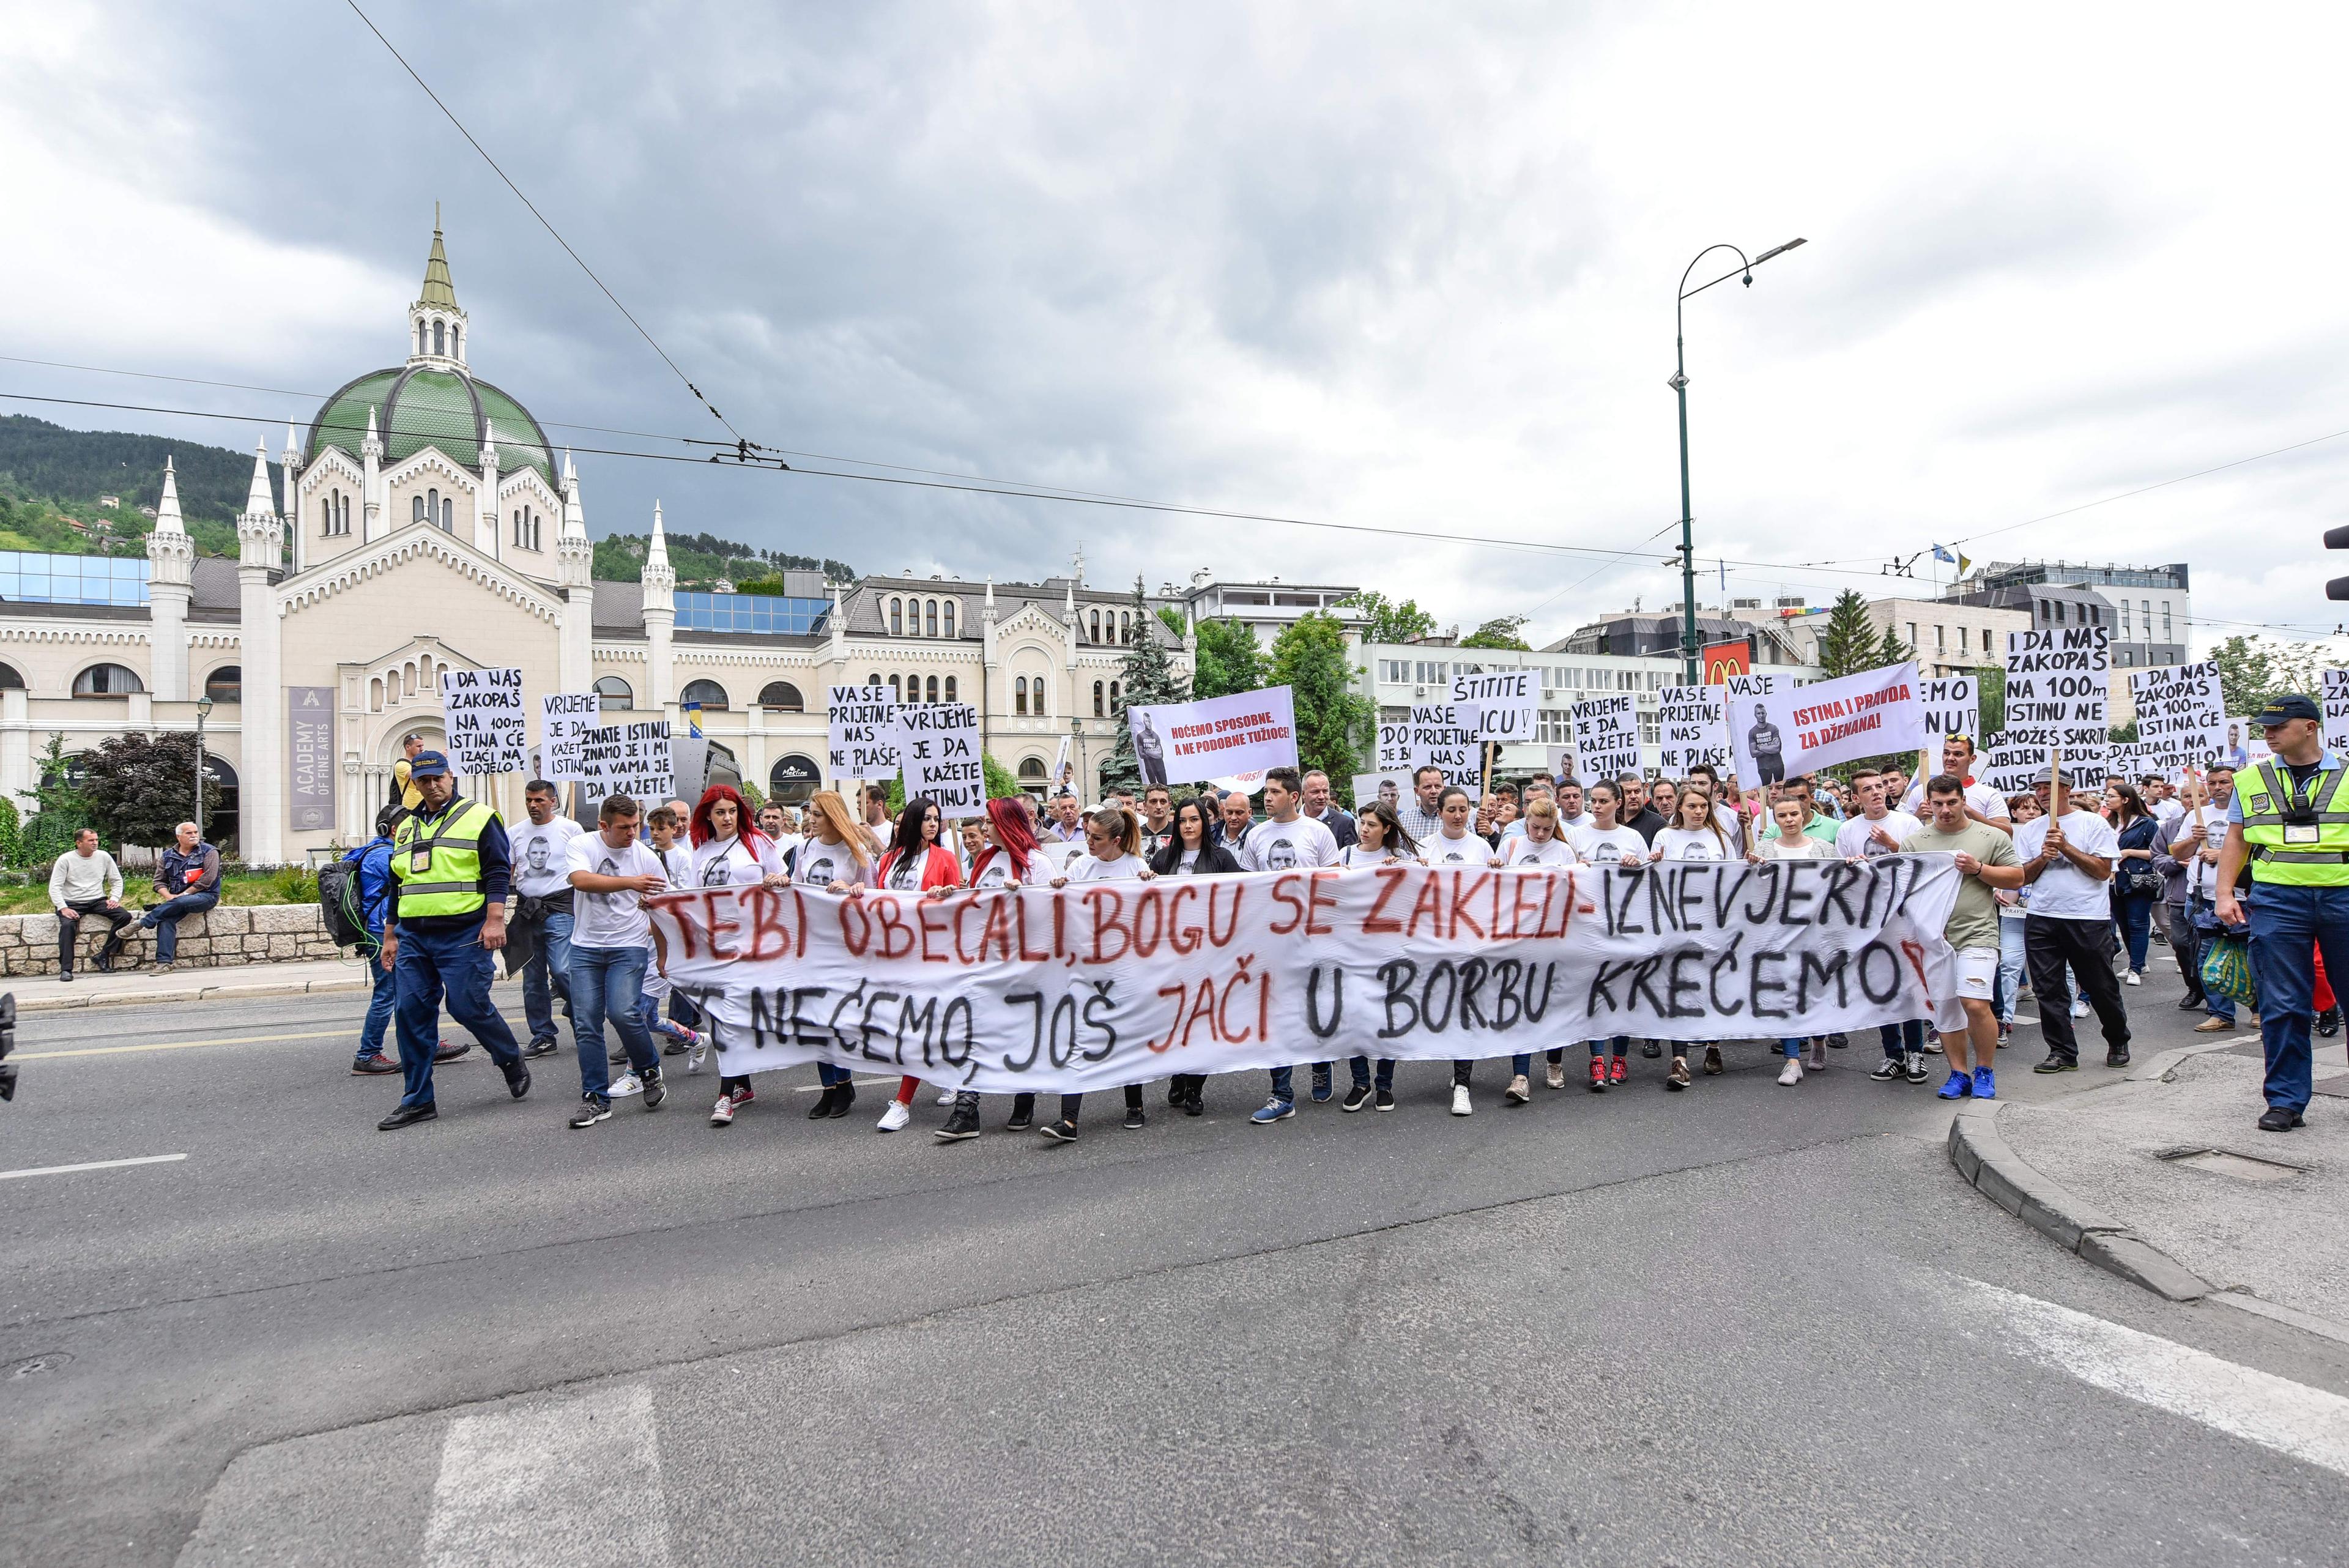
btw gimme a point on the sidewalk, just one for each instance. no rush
(227, 982)
(2159, 1176)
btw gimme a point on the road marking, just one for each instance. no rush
(2307, 1424)
(570, 1481)
(93, 1165)
(347, 1033)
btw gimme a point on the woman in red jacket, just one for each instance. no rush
(915, 863)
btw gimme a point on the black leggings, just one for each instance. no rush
(1073, 1104)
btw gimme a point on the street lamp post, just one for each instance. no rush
(203, 711)
(1679, 384)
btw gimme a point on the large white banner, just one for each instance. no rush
(2058, 693)
(1695, 728)
(488, 725)
(858, 741)
(2181, 719)
(1441, 739)
(2336, 710)
(1183, 743)
(1953, 705)
(938, 744)
(563, 718)
(627, 758)
(1089, 987)
(1498, 706)
(1606, 737)
(1872, 714)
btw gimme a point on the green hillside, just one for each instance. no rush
(701, 559)
(51, 479)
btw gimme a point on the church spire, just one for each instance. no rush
(166, 511)
(261, 498)
(438, 287)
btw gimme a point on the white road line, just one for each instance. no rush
(568, 1482)
(2307, 1424)
(93, 1165)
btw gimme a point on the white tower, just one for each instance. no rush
(575, 570)
(660, 618)
(486, 531)
(171, 565)
(289, 465)
(371, 486)
(260, 549)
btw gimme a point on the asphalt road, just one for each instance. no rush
(1745, 1325)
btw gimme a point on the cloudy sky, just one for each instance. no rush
(1405, 267)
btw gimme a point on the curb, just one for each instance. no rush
(255, 991)
(1999, 1174)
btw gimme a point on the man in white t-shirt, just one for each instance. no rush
(2067, 862)
(1286, 840)
(1877, 831)
(2161, 799)
(1984, 803)
(611, 941)
(1570, 812)
(542, 917)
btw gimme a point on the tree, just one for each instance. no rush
(1000, 785)
(2254, 668)
(1848, 644)
(1390, 621)
(60, 810)
(1149, 676)
(1334, 720)
(140, 786)
(1892, 650)
(1500, 632)
(1991, 682)
(1230, 659)
(1176, 621)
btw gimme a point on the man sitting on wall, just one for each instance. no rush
(187, 878)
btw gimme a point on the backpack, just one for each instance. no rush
(338, 905)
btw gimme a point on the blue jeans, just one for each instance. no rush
(608, 982)
(553, 959)
(2134, 915)
(1284, 1081)
(2010, 969)
(380, 1003)
(163, 919)
(1900, 1037)
(1361, 1068)
(432, 963)
(2287, 925)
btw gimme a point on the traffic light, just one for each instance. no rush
(2337, 539)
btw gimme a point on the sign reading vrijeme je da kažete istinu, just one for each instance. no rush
(1093, 986)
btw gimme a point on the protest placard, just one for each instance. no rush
(2336, 710)
(2058, 695)
(563, 718)
(488, 730)
(1392, 786)
(937, 746)
(1606, 737)
(857, 719)
(627, 758)
(2246, 744)
(1394, 750)
(1872, 714)
(1953, 705)
(1181, 742)
(1496, 706)
(1438, 739)
(1772, 684)
(1693, 723)
(2181, 719)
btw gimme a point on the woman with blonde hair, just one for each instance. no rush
(836, 856)
(1113, 854)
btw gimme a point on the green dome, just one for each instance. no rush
(416, 408)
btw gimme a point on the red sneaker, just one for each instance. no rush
(1620, 1071)
(742, 1096)
(1598, 1074)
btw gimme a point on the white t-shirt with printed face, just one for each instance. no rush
(2064, 892)
(1125, 868)
(677, 861)
(1571, 822)
(1608, 847)
(992, 868)
(1523, 851)
(728, 862)
(1288, 846)
(1355, 854)
(1855, 839)
(542, 856)
(821, 865)
(1980, 798)
(611, 919)
(2201, 877)
(1465, 850)
(1693, 844)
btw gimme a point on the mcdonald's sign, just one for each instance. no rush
(1722, 660)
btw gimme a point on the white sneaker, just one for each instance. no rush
(896, 1116)
(2079, 1007)
(722, 1114)
(1792, 1073)
(1460, 1106)
(696, 1053)
(1558, 1075)
(624, 1085)
(1519, 1090)
(2132, 978)
(946, 1096)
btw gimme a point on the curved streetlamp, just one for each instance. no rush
(1679, 384)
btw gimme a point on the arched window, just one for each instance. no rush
(419, 338)
(913, 688)
(439, 338)
(1096, 624)
(106, 680)
(950, 689)
(896, 618)
(449, 514)
(782, 697)
(612, 692)
(1036, 691)
(709, 693)
(894, 694)
(930, 619)
(9, 680)
(1033, 768)
(949, 615)
(456, 341)
(325, 516)
(874, 678)
(1116, 703)
(416, 509)
(1019, 694)
(793, 779)
(1124, 627)
(933, 687)
(225, 684)
(1097, 699)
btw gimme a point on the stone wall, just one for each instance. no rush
(219, 937)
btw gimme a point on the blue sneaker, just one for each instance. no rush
(1959, 1088)
(1273, 1111)
(1985, 1086)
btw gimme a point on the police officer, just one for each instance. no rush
(2289, 829)
(451, 867)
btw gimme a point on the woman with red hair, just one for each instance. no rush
(917, 862)
(729, 850)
